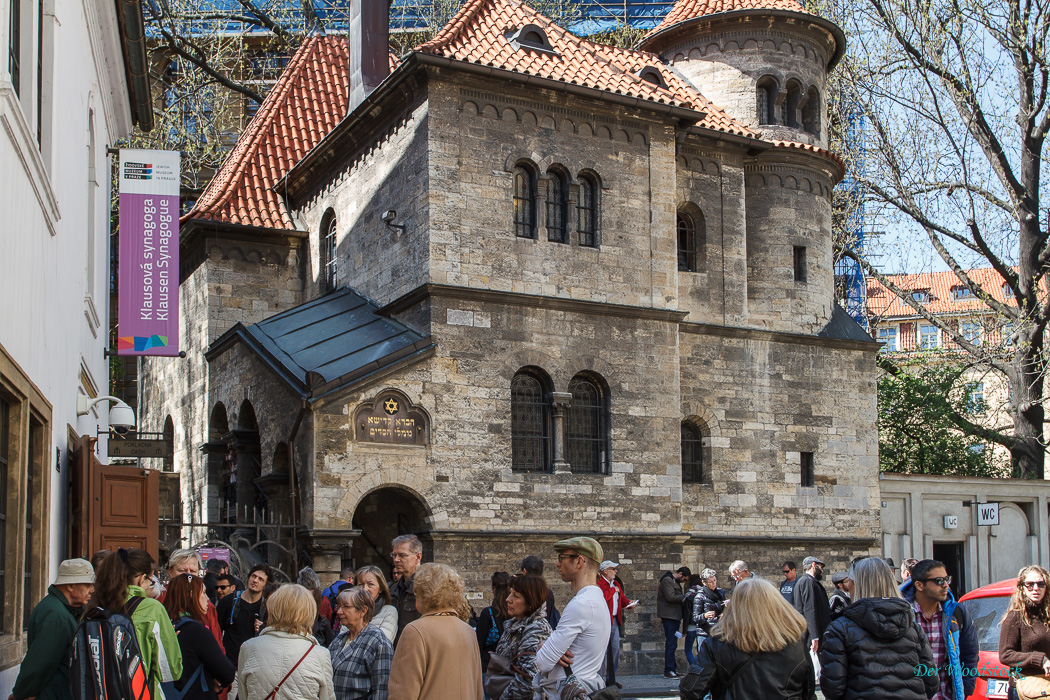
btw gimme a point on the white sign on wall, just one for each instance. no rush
(951, 522)
(987, 513)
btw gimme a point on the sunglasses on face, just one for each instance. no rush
(939, 580)
(787, 571)
(1034, 584)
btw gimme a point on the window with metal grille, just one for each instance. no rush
(524, 202)
(557, 204)
(5, 450)
(800, 263)
(587, 211)
(14, 44)
(686, 243)
(587, 431)
(692, 454)
(530, 423)
(328, 266)
(806, 460)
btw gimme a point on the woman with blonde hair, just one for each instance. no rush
(758, 650)
(285, 662)
(875, 648)
(437, 656)
(1024, 635)
(384, 615)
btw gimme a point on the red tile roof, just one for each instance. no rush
(691, 9)
(883, 303)
(813, 149)
(479, 33)
(307, 102)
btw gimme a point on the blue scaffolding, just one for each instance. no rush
(849, 276)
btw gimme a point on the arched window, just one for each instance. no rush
(557, 205)
(329, 230)
(587, 211)
(767, 100)
(686, 243)
(530, 422)
(692, 454)
(587, 430)
(811, 112)
(791, 104)
(524, 202)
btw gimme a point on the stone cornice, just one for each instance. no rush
(776, 336)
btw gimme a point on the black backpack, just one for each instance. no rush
(105, 662)
(687, 608)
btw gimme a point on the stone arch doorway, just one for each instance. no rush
(381, 516)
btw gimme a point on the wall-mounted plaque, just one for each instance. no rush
(390, 418)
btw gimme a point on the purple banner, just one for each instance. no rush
(148, 291)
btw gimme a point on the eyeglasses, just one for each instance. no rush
(938, 580)
(568, 556)
(1034, 584)
(399, 556)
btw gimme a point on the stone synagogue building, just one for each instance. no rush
(515, 285)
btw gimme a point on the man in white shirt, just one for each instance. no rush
(582, 635)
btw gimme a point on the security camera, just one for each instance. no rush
(388, 216)
(121, 416)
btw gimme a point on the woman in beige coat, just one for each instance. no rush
(285, 657)
(437, 656)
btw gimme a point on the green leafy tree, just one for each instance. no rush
(916, 432)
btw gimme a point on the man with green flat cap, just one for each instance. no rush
(582, 635)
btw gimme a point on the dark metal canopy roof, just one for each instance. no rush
(327, 343)
(844, 327)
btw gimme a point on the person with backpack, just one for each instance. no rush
(241, 614)
(689, 624)
(44, 673)
(119, 592)
(205, 668)
(490, 622)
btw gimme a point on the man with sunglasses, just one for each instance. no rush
(948, 628)
(787, 586)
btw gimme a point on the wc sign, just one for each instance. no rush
(987, 513)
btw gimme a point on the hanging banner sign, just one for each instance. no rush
(148, 290)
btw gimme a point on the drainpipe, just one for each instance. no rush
(289, 445)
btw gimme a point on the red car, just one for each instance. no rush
(986, 606)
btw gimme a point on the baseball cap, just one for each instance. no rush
(75, 571)
(586, 546)
(609, 565)
(811, 560)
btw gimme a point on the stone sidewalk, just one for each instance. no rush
(656, 687)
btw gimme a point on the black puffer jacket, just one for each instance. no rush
(782, 675)
(873, 651)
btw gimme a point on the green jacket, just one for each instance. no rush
(157, 640)
(44, 673)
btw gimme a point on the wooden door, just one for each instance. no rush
(112, 505)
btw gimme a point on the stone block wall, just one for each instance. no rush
(480, 130)
(762, 399)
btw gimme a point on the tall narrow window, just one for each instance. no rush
(791, 104)
(587, 429)
(806, 461)
(692, 454)
(524, 202)
(557, 204)
(811, 112)
(328, 258)
(5, 456)
(800, 263)
(587, 211)
(766, 94)
(14, 45)
(686, 243)
(530, 423)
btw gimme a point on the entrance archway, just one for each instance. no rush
(383, 515)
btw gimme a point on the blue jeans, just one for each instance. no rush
(670, 644)
(690, 644)
(612, 656)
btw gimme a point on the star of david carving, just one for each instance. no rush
(390, 406)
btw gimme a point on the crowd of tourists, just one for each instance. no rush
(205, 635)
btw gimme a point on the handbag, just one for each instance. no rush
(574, 689)
(1033, 687)
(501, 673)
(277, 688)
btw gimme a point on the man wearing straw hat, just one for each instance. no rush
(45, 669)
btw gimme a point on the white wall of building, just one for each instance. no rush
(54, 206)
(914, 507)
